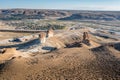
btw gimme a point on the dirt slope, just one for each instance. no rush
(94, 62)
(65, 64)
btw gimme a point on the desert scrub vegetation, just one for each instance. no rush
(33, 26)
(36, 25)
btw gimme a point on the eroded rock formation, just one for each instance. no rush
(86, 39)
(50, 33)
(42, 37)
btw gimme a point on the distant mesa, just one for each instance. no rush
(93, 16)
(19, 14)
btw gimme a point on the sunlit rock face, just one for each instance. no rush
(50, 33)
(42, 37)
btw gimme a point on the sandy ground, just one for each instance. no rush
(4, 26)
(65, 64)
(9, 35)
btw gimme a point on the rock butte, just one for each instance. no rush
(42, 37)
(86, 38)
(50, 33)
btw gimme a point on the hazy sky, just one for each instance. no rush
(62, 4)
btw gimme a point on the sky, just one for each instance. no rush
(112, 5)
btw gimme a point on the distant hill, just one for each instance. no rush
(19, 14)
(107, 16)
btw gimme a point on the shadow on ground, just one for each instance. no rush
(25, 45)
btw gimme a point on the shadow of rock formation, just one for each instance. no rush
(25, 45)
(49, 48)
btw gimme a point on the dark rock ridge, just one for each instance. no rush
(97, 15)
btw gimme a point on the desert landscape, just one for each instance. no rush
(43, 44)
(79, 51)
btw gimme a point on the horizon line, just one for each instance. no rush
(59, 9)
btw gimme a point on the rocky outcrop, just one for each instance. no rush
(8, 54)
(42, 37)
(86, 38)
(50, 33)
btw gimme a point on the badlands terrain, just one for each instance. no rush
(63, 56)
(59, 49)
